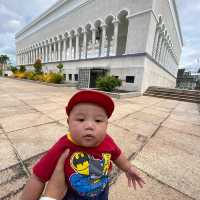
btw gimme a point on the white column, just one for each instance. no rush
(103, 39)
(158, 47)
(50, 51)
(70, 47)
(116, 31)
(93, 41)
(41, 53)
(64, 49)
(161, 50)
(59, 50)
(84, 44)
(155, 42)
(77, 47)
(54, 49)
(46, 53)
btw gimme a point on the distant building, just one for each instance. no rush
(185, 80)
(138, 41)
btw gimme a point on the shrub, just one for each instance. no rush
(14, 70)
(19, 74)
(53, 77)
(38, 77)
(108, 83)
(38, 66)
(22, 68)
(60, 67)
(30, 75)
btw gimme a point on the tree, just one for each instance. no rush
(38, 66)
(60, 67)
(198, 70)
(4, 60)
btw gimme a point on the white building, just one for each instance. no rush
(138, 41)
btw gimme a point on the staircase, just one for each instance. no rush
(176, 94)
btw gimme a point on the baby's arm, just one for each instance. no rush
(33, 189)
(131, 173)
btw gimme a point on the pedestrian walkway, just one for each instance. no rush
(161, 138)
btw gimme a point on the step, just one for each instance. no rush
(174, 98)
(173, 94)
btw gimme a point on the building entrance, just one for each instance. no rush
(95, 74)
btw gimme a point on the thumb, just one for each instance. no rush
(61, 161)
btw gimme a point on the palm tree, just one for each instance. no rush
(4, 60)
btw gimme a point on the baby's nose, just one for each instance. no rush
(89, 125)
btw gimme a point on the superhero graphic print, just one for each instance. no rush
(91, 175)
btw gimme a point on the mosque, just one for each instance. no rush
(137, 41)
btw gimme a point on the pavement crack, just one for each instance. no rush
(18, 157)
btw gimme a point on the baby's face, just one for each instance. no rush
(87, 124)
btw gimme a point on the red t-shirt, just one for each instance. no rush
(86, 169)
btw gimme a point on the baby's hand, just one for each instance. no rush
(134, 178)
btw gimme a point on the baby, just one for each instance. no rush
(91, 151)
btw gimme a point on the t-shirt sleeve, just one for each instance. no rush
(45, 166)
(115, 150)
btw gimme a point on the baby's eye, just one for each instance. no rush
(98, 120)
(80, 119)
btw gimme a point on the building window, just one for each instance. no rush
(76, 77)
(70, 77)
(117, 77)
(64, 76)
(130, 79)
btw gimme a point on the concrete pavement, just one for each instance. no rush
(161, 138)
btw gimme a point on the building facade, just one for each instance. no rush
(138, 41)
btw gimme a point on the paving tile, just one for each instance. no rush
(16, 110)
(172, 164)
(183, 141)
(144, 100)
(146, 117)
(182, 126)
(152, 190)
(129, 142)
(13, 183)
(122, 109)
(7, 155)
(186, 118)
(10, 102)
(57, 114)
(23, 121)
(49, 106)
(152, 111)
(32, 141)
(136, 126)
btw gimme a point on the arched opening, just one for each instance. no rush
(88, 41)
(98, 39)
(123, 31)
(80, 33)
(109, 36)
(73, 47)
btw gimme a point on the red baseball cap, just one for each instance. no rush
(91, 96)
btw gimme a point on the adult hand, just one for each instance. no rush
(57, 187)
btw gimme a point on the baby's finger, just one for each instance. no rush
(134, 184)
(140, 183)
(129, 181)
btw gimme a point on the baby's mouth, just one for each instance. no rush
(88, 137)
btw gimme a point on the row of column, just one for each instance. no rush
(61, 48)
(163, 51)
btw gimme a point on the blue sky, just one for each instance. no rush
(15, 14)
